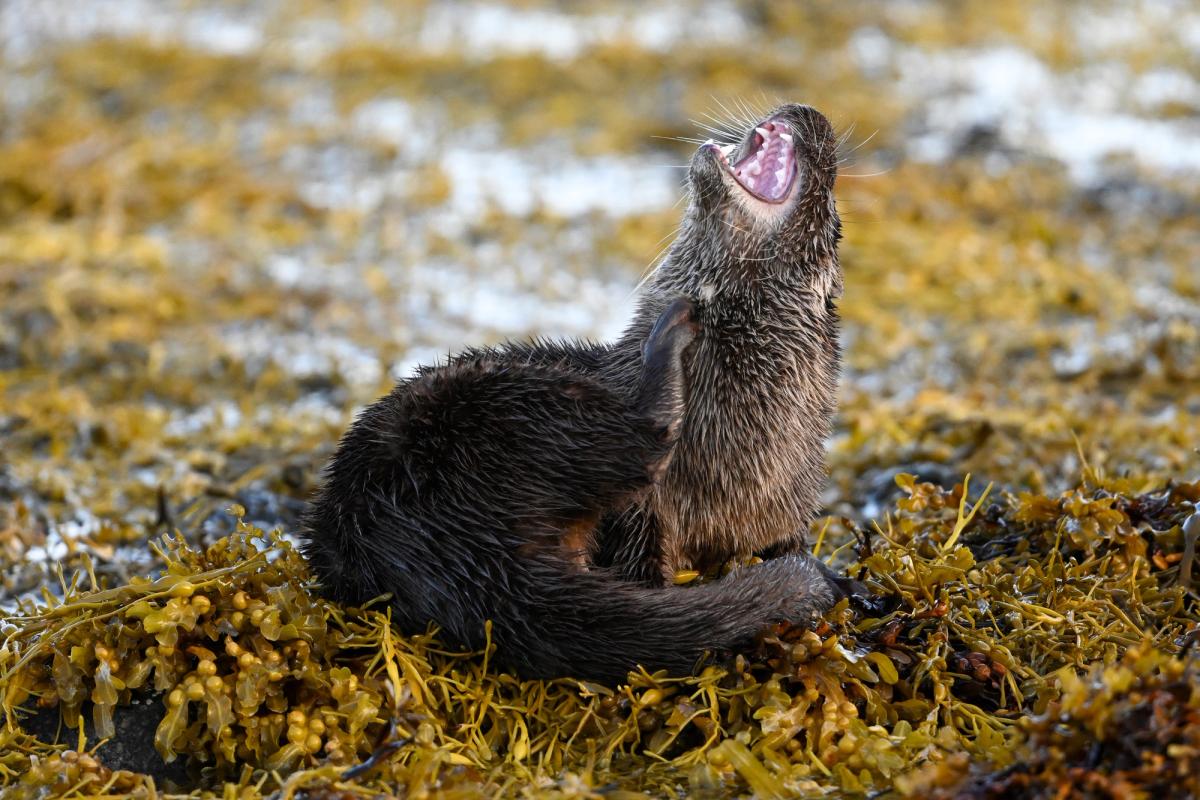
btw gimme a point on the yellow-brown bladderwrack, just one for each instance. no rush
(252, 680)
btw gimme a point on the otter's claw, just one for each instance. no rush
(861, 598)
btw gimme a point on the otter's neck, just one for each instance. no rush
(775, 282)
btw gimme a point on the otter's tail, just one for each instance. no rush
(549, 618)
(591, 626)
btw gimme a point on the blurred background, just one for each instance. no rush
(225, 226)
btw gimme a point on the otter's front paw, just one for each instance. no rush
(673, 331)
(661, 394)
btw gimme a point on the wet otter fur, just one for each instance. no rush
(762, 379)
(553, 487)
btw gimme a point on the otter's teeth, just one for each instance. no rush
(766, 172)
(726, 150)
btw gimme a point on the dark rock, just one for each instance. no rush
(131, 748)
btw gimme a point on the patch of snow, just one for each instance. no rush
(520, 182)
(1160, 86)
(285, 269)
(302, 355)
(483, 30)
(220, 414)
(388, 119)
(663, 26)
(1079, 118)
(872, 50)
(28, 25)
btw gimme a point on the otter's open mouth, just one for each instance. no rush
(769, 169)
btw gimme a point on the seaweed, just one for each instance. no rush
(212, 250)
(1066, 634)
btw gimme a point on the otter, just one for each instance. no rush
(554, 488)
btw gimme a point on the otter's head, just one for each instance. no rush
(766, 201)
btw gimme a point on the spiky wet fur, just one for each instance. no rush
(553, 487)
(762, 377)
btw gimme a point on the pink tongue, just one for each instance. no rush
(766, 171)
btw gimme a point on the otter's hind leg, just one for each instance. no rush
(630, 544)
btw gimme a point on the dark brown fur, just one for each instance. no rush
(553, 487)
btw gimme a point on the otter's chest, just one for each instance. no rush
(752, 407)
(749, 464)
(763, 373)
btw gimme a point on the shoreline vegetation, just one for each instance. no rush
(224, 227)
(1037, 644)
